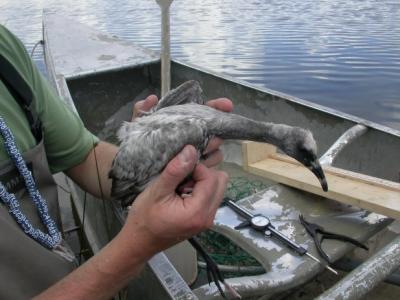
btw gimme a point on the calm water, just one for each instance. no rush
(339, 53)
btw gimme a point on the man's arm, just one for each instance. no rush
(92, 174)
(158, 219)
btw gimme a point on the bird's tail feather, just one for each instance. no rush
(188, 92)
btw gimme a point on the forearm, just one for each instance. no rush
(107, 272)
(92, 174)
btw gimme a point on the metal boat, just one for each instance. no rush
(100, 77)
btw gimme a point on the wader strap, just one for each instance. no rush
(22, 93)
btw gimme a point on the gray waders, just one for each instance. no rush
(26, 267)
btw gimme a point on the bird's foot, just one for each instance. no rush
(213, 272)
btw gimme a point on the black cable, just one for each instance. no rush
(34, 47)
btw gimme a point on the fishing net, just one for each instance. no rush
(221, 249)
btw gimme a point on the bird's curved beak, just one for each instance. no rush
(315, 167)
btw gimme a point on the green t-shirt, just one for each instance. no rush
(67, 141)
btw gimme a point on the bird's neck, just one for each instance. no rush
(242, 128)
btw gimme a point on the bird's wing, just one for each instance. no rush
(188, 92)
(146, 147)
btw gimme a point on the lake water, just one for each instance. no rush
(342, 54)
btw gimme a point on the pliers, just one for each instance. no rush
(314, 230)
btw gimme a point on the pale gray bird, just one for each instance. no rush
(180, 118)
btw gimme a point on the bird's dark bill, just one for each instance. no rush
(317, 170)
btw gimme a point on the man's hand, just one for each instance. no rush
(213, 155)
(163, 217)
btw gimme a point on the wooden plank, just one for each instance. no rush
(367, 192)
(254, 152)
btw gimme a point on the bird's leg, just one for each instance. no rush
(213, 271)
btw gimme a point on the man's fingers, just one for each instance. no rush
(184, 187)
(213, 159)
(219, 193)
(213, 145)
(223, 104)
(177, 170)
(150, 102)
(144, 105)
(207, 184)
(208, 193)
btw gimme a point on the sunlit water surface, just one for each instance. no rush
(341, 54)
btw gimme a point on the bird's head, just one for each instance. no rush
(302, 147)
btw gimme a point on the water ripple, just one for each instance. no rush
(342, 54)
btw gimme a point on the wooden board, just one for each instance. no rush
(370, 193)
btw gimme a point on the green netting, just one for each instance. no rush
(241, 187)
(222, 250)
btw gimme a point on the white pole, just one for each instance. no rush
(165, 46)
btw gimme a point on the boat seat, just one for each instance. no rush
(285, 269)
